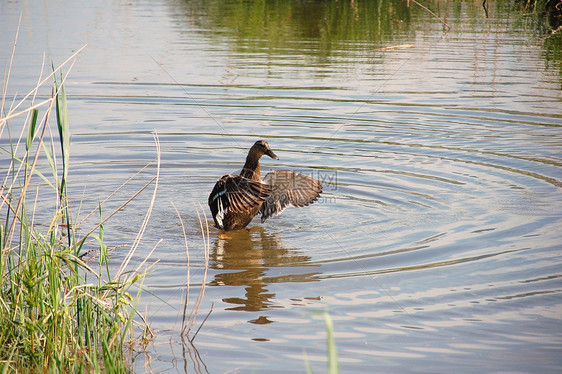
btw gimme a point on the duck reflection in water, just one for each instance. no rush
(246, 258)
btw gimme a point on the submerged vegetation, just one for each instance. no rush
(60, 311)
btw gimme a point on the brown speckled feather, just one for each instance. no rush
(234, 196)
(236, 199)
(288, 188)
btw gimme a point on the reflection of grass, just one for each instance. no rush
(58, 313)
(548, 12)
(282, 25)
(542, 6)
(333, 365)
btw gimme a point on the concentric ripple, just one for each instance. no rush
(436, 245)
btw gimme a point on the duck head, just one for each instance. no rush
(260, 148)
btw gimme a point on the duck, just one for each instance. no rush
(237, 199)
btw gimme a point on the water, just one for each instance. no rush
(437, 243)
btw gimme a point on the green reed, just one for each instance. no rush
(58, 312)
(333, 363)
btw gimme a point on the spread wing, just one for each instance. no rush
(233, 193)
(288, 188)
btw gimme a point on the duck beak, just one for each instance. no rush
(270, 153)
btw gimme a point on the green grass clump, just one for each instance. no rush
(58, 312)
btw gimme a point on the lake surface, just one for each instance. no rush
(437, 244)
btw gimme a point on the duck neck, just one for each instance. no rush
(251, 169)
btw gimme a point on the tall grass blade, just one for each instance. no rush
(32, 129)
(307, 363)
(333, 365)
(52, 319)
(64, 137)
(63, 127)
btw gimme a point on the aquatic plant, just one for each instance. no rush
(59, 311)
(333, 363)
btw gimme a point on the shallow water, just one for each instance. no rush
(436, 245)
